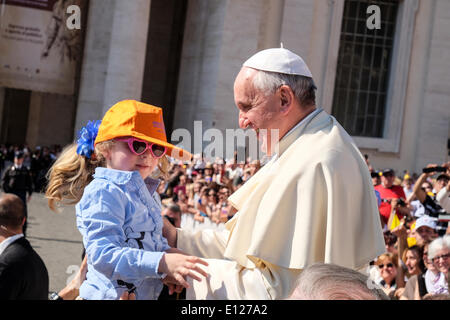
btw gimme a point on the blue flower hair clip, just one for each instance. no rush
(86, 138)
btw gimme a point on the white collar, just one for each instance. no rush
(5, 243)
(305, 119)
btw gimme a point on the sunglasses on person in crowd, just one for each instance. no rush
(443, 257)
(139, 147)
(388, 265)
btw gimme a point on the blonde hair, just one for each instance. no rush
(71, 173)
(388, 256)
(163, 168)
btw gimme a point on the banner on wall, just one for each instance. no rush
(39, 47)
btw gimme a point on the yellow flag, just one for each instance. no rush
(411, 240)
(395, 222)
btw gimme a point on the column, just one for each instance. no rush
(114, 56)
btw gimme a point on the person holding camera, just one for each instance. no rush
(388, 191)
(428, 199)
(443, 196)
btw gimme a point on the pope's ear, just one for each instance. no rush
(286, 98)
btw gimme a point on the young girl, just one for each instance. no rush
(117, 210)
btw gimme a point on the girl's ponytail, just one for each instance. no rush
(73, 169)
(68, 177)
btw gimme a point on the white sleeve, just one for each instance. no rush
(228, 280)
(443, 198)
(205, 243)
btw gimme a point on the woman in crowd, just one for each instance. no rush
(211, 203)
(182, 201)
(412, 258)
(439, 253)
(387, 264)
(223, 207)
(201, 205)
(390, 240)
(194, 194)
(424, 283)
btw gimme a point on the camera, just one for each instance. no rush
(400, 202)
(434, 169)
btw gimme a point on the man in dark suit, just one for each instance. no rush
(17, 180)
(23, 275)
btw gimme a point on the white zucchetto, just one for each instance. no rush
(278, 60)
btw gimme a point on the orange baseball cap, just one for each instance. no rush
(130, 118)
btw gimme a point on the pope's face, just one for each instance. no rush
(257, 110)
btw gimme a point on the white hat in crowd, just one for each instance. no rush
(426, 221)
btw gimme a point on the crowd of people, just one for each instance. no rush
(37, 161)
(413, 213)
(201, 188)
(414, 216)
(24, 171)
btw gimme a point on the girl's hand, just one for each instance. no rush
(178, 267)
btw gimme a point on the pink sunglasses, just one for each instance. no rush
(139, 147)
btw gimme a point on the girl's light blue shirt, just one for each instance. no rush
(119, 217)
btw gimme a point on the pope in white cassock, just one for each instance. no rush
(313, 202)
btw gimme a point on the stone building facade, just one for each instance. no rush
(183, 55)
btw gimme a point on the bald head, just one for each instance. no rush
(322, 281)
(12, 211)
